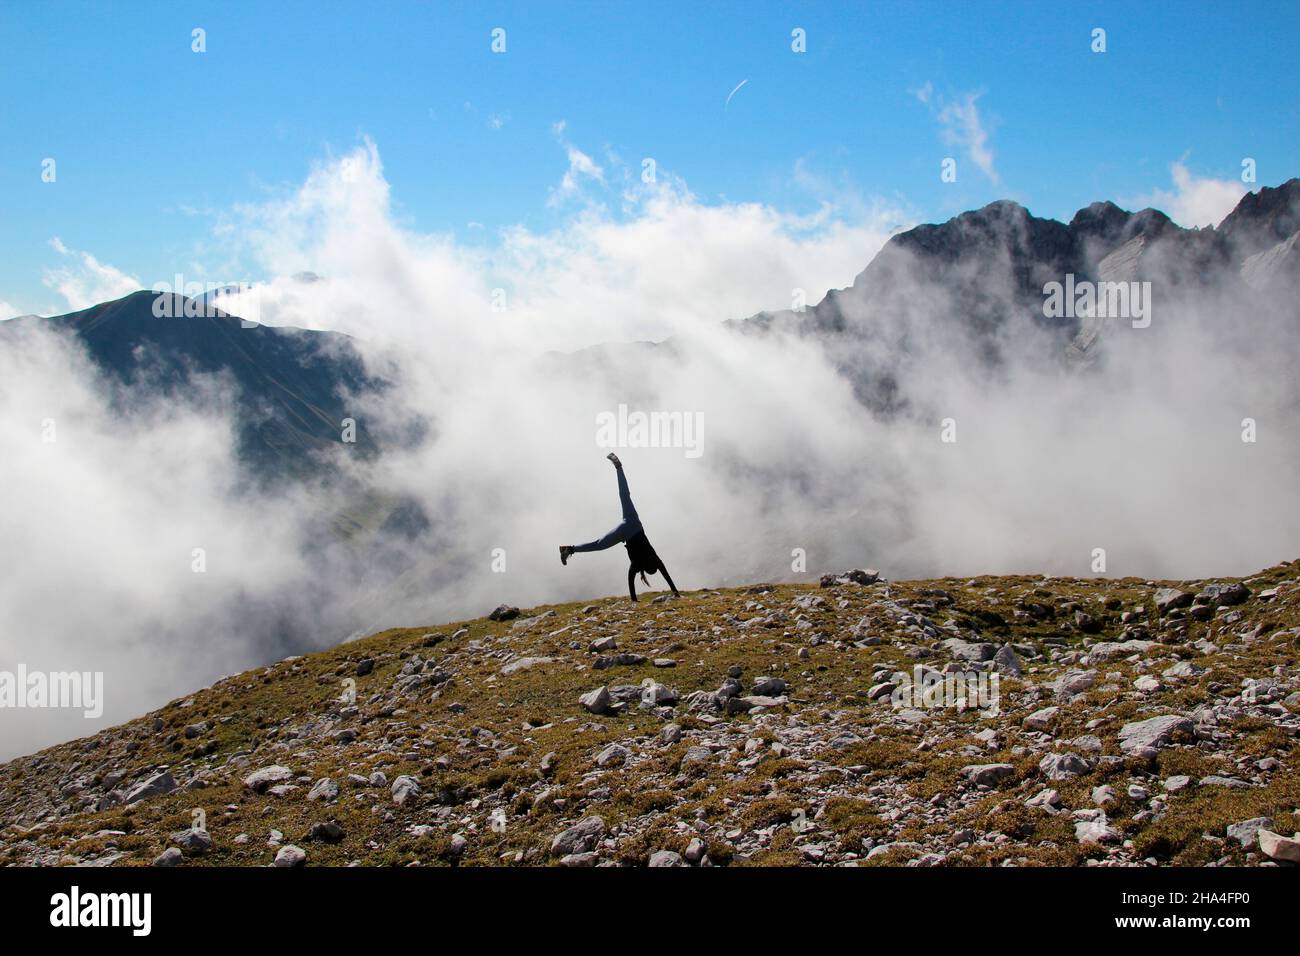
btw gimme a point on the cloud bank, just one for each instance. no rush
(1195, 200)
(507, 354)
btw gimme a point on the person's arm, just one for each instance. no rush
(631, 581)
(669, 579)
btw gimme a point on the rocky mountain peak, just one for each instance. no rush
(1263, 219)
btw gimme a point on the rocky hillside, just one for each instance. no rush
(1137, 722)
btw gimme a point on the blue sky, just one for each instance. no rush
(152, 140)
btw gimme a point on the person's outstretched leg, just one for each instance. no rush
(629, 526)
(630, 516)
(616, 536)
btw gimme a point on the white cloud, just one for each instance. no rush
(666, 264)
(104, 504)
(962, 126)
(85, 281)
(1194, 200)
(581, 166)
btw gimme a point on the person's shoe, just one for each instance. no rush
(565, 551)
(614, 458)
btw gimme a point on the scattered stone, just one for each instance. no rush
(1063, 766)
(1006, 662)
(524, 663)
(1170, 599)
(654, 694)
(156, 785)
(966, 651)
(1215, 780)
(1075, 682)
(987, 774)
(169, 857)
(579, 838)
(1096, 830)
(325, 789)
(327, 832)
(666, 858)
(1154, 733)
(528, 623)
(1111, 650)
(612, 754)
(1247, 831)
(769, 686)
(596, 701)
(696, 755)
(1277, 847)
(740, 705)
(259, 781)
(882, 690)
(1222, 595)
(1045, 799)
(290, 855)
(405, 789)
(1042, 719)
(193, 842)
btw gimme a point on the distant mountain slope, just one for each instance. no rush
(292, 382)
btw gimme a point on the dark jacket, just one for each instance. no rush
(642, 555)
(642, 560)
